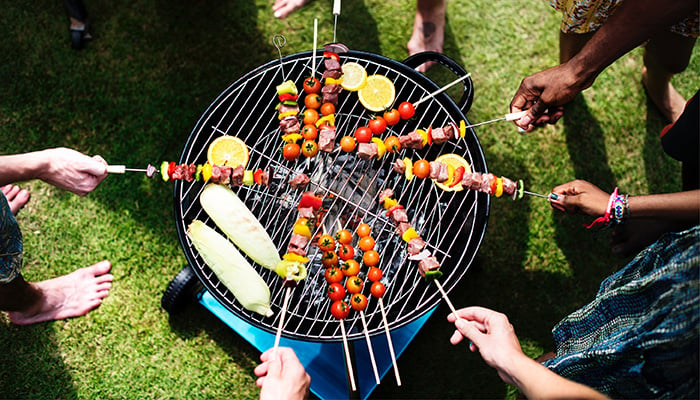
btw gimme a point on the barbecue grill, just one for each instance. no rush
(451, 223)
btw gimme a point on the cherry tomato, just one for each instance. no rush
(366, 243)
(312, 85)
(309, 148)
(351, 268)
(363, 230)
(393, 144)
(347, 143)
(326, 242)
(370, 258)
(374, 274)
(358, 302)
(310, 116)
(363, 134)
(339, 309)
(406, 110)
(334, 275)
(335, 291)
(313, 100)
(291, 151)
(377, 289)
(421, 168)
(377, 125)
(327, 108)
(392, 117)
(309, 132)
(354, 284)
(346, 252)
(329, 259)
(343, 236)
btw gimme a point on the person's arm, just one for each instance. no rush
(281, 376)
(583, 197)
(542, 94)
(494, 337)
(64, 168)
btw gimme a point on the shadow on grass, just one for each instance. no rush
(32, 367)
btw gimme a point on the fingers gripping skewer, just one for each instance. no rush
(442, 89)
(391, 344)
(507, 117)
(348, 361)
(369, 347)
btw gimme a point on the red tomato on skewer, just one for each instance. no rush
(343, 236)
(370, 258)
(335, 291)
(346, 252)
(351, 268)
(354, 284)
(339, 309)
(366, 243)
(406, 110)
(311, 85)
(374, 274)
(358, 302)
(392, 117)
(326, 243)
(363, 230)
(377, 289)
(329, 259)
(363, 134)
(377, 125)
(333, 275)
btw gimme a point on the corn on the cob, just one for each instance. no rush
(232, 269)
(232, 216)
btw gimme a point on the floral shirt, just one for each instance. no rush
(10, 243)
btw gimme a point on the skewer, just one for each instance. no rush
(391, 344)
(507, 117)
(279, 41)
(285, 303)
(442, 89)
(551, 195)
(369, 347)
(444, 296)
(313, 56)
(336, 12)
(121, 169)
(348, 361)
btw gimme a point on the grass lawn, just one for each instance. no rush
(133, 97)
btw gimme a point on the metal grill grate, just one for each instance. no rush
(452, 224)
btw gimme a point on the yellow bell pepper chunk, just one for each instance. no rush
(331, 81)
(390, 202)
(499, 187)
(381, 147)
(327, 119)
(462, 129)
(423, 134)
(206, 172)
(295, 258)
(409, 234)
(302, 228)
(292, 137)
(409, 168)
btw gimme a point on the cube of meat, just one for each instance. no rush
(509, 186)
(385, 194)
(450, 132)
(477, 179)
(299, 182)
(415, 246)
(399, 215)
(438, 136)
(443, 175)
(289, 125)
(306, 212)
(331, 73)
(467, 180)
(236, 175)
(331, 64)
(326, 138)
(486, 184)
(428, 264)
(283, 108)
(297, 244)
(411, 141)
(367, 151)
(399, 166)
(402, 227)
(434, 169)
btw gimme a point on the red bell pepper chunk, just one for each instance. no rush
(288, 96)
(430, 135)
(459, 174)
(257, 176)
(330, 54)
(492, 182)
(171, 168)
(308, 199)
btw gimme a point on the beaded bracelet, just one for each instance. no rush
(615, 212)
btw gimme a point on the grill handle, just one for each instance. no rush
(417, 59)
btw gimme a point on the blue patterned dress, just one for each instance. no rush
(10, 243)
(639, 337)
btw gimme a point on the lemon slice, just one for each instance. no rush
(453, 161)
(377, 94)
(228, 150)
(354, 77)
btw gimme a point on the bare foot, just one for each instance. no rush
(67, 296)
(664, 95)
(282, 8)
(428, 29)
(16, 197)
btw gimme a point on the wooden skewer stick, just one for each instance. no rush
(285, 303)
(369, 347)
(447, 299)
(442, 89)
(313, 56)
(348, 361)
(391, 345)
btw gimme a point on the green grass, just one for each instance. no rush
(134, 95)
